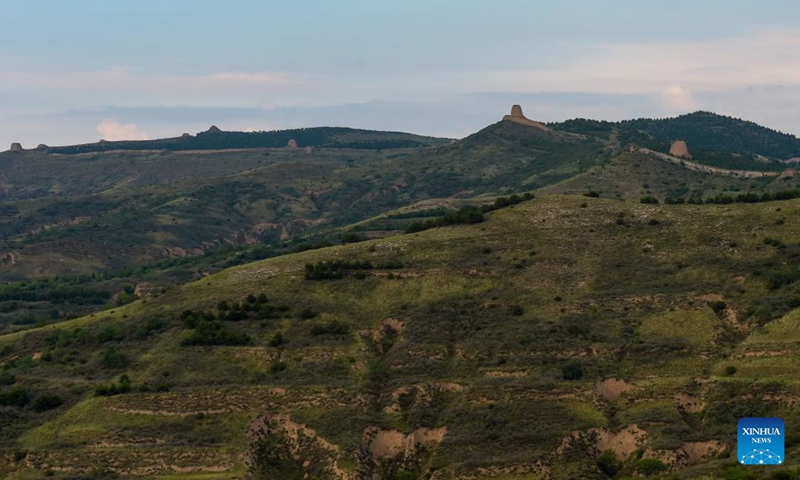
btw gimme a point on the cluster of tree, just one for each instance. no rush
(19, 397)
(219, 140)
(468, 215)
(334, 269)
(53, 292)
(207, 328)
(709, 131)
(209, 333)
(749, 197)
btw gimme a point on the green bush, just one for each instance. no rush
(650, 200)
(608, 463)
(46, 402)
(277, 340)
(123, 385)
(7, 379)
(650, 466)
(730, 370)
(16, 397)
(334, 327)
(113, 359)
(572, 370)
(335, 269)
(209, 333)
(352, 238)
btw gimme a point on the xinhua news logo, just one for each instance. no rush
(760, 441)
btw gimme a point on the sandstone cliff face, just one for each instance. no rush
(679, 149)
(518, 117)
(292, 143)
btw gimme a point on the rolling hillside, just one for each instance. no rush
(216, 139)
(77, 214)
(564, 337)
(717, 140)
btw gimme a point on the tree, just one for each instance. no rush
(45, 402)
(572, 370)
(608, 463)
(650, 466)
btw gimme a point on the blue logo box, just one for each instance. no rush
(760, 441)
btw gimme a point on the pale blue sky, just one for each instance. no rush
(78, 70)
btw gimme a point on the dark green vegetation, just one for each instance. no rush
(717, 140)
(497, 333)
(328, 137)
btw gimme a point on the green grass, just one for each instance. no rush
(491, 313)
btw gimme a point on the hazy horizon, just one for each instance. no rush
(79, 72)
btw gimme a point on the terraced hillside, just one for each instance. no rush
(564, 337)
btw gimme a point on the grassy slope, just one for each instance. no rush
(631, 176)
(124, 208)
(590, 286)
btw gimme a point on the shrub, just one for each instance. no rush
(335, 269)
(277, 366)
(572, 370)
(277, 340)
(592, 194)
(152, 324)
(113, 359)
(123, 385)
(783, 277)
(517, 310)
(306, 314)
(650, 466)
(464, 216)
(774, 242)
(334, 327)
(16, 397)
(352, 238)
(46, 402)
(7, 378)
(650, 200)
(608, 463)
(211, 333)
(653, 222)
(730, 370)
(718, 306)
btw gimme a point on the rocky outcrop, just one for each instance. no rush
(213, 129)
(679, 149)
(292, 143)
(16, 147)
(518, 117)
(186, 135)
(392, 450)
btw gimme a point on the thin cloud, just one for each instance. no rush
(112, 130)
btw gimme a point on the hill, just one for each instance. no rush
(89, 213)
(716, 140)
(635, 174)
(216, 139)
(560, 328)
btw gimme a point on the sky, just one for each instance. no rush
(78, 71)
